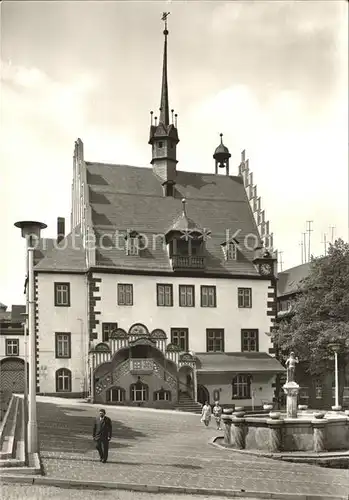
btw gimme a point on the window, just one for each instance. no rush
(115, 395)
(215, 340)
(186, 295)
(162, 395)
(241, 387)
(62, 294)
(229, 250)
(208, 296)
(249, 340)
(107, 329)
(179, 337)
(12, 347)
(139, 392)
(245, 297)
(318, 389)
(132, 246)
(63, 345)
(63, 380)
(125, 295)
(160, 144)
(304, 393)
(164, 295)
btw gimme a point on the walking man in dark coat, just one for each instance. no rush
(102, 435)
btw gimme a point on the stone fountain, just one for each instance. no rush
(307, 430)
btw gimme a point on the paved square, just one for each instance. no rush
(165, 448)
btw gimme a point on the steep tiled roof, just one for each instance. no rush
(17, 313)
(131, 198)
(237, 362)
(289, 281)
(68, 255)
(44, 245)
(13, 316)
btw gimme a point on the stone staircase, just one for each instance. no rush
(13, 457)
(187, 404)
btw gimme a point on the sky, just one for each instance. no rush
(271, 76)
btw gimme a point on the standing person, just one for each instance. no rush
(102, 435)
(206, 414)
(217, 413)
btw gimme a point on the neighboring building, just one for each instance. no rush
(12, 349)
(289, 285)
(163, 289)
(316, 392)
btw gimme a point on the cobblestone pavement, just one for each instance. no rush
(21, 492)
(168, 449)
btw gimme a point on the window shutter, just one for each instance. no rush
(160, 295)
(204, 296)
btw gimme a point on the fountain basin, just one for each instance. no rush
(276, 432)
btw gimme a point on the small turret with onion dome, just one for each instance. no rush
(221, 156)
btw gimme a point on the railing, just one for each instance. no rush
(141, 365)
(5, 398)
(188, 262)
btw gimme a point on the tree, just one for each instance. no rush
(320, 316)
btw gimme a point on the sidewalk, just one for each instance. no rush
(168, 449)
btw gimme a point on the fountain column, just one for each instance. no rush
(291, 389)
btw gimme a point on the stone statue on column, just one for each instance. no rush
(291, 388)
(291, 367)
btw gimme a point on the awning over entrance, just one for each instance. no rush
(240, 362)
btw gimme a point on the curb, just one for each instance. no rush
(305, 459)
(98, 485)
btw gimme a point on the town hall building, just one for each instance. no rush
(164, 292)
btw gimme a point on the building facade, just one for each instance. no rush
(12, 349)
(165, 288)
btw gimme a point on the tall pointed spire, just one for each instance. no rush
(163, 135)
(164, 105)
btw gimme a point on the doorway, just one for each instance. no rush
(203, 394)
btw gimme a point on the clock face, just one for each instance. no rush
(265, 269)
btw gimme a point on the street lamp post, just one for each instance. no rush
(25, 394)
(31, 232)
(336, 348)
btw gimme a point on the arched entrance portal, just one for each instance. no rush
(203, 394)
(12, 375)
(186, 381)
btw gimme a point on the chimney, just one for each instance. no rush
(60, 229)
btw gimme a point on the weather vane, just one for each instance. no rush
(164, 18)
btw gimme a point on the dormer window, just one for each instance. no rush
(229, 250)
(132, 243)
(132, 246)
